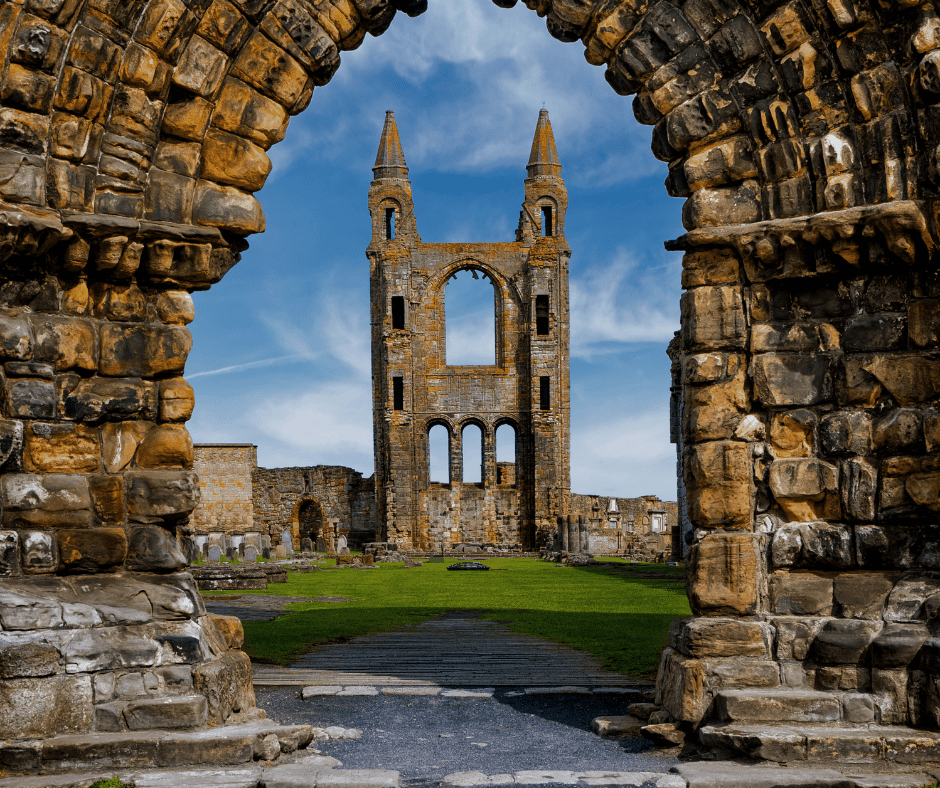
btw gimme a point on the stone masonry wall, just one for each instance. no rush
(802, 136)
(346, 499)
(630, 527)
(224, 471)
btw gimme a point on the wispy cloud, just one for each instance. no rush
(264, 362)
(621, 303)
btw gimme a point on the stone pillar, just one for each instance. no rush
(584, 535)
(574, 535)
(563, 531)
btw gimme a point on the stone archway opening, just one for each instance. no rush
(310, 520)
(806, 375)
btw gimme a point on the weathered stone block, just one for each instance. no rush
(680, 687)
(201, 68)
(234, 161)
(844, 641)
(715, 637)
(245, 112)
(227, 208)
(187, 119)
(801, 593)
(787, 545)
(119, 442)
(166, 447)
(846, 432)
(176, 400)
(718, 483)
(862, 594)
(787, 379)
(806, 489)
(231, 629)
(859, 487)
(226, 684)
(68, 343)
(897, 645)
(173, 713)
(899, 432)
(107, 648)
(175, 307)
(144, 351)
(792, 433)
(741, 673)
(51, 500)
(906, 600)
(38, 552)
(722, 572)
(23, 660)
(713, 412)
(153, 548)
(271, 70)
(827, 544)
(713, 318)
(909, 378)
(61, 448)
(865, 333)
(923, 318)
(99, 399)
(43, 707)
(9, 553)
(30, 398)
(91, 550)
(164, 494)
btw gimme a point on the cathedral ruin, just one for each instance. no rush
(414, 387)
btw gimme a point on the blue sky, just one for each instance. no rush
(281, 345)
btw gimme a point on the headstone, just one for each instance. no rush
(215, 554)
(266, 552)
(251, 554)
(265, 542)
(280, 551)
(205, 549)
(344, 550)
(321, 544)
(306, 545)
(241, 548)
(230, 553)
(341, 544)
(286, 541)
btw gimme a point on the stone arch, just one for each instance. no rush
(307, 528)
(803, 137)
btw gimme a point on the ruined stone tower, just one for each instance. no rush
(415, 389)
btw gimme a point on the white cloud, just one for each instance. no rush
(620, 303)
(627, 456)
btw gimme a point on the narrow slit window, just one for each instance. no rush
(398, 393)
(545, 393)
(390, 224)
(547, 221)
(541, 315)
(398, 312)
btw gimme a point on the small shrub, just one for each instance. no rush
(109, 782)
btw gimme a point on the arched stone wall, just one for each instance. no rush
(803, 137)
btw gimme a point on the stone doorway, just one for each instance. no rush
(310, 519)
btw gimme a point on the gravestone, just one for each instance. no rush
(321, 545)
(241, 548)
(344, 550)
(215, 554)
(286, 542)
(280, 551)
(265, 542)
(230, 553)
(341, 544)
(306, 545)
(251, 554)
(266, 552)
(205, 549)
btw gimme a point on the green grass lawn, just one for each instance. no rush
(622, 619)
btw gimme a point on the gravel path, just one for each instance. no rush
(428, 737)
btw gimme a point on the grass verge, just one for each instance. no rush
(615, 613)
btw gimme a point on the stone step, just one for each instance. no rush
(789, 705)
(893, 746)
(223, 746)
(723, 774)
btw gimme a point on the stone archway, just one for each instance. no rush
(310, 520)
(801, 134)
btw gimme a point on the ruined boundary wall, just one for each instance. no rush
(641, 525)
(225, 484)
(802, 137)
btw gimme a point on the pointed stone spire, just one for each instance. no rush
(390, 160)
(544, 158)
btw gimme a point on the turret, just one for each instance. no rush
(546, 199)
(390, 201)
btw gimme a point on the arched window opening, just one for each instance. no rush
(439, 455)
(547, 229)
(470, 319)
(398, 312)
(506, 455)
(390, 224)
(545, 393)
(472, 439)
(541, 315)
(310, 520)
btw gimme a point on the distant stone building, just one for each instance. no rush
(415, 389)
(279, 504)
(638, 526)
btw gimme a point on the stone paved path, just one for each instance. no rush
(457, 649)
